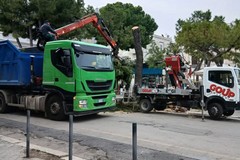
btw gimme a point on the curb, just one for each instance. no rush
(62, 155)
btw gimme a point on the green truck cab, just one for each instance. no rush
(82, 74)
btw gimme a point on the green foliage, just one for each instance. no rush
(15, 17)
(120, 18)
(20, 16)
(207, 38)
(23, 17)
(69, 11)
(156, 56)
(124, 69)
(173, 48)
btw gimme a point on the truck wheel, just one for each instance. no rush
(3, 105)
(215, 110)
(228, 112)
(145, 105)
(54, 108)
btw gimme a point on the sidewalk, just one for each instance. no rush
(13, 149)
(10, 149)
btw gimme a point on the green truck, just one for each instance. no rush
(68, 77)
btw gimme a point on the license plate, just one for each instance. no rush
(101, 100)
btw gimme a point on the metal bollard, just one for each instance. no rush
(134, 141)
(70, 136)
(27, 134)
(202, 100)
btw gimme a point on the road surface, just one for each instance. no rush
(109, 135)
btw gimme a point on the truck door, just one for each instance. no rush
(63, 76)
(221, 83)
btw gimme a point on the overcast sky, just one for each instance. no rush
(167, 12)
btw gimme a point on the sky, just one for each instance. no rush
(167, 12)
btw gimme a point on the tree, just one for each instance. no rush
(69, 11)
(23, 17)
(206, 38)
(155, 56)
(234, 54)
(121, 18)
(139, 55)
(124, 69)
(16, 18)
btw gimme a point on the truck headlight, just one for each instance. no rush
(82, 104)
(114, 99)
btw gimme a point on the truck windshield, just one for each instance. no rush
(237, 71)
(94, 61)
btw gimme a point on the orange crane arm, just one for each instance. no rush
(97, 23)
(174, 62)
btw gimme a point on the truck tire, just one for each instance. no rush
(54, 108)
(228, 112)
(215, 110)
(3, 105)
(145, 105)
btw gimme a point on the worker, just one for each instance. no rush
(47, 32)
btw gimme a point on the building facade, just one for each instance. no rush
(161, 41)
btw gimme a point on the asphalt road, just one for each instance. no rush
(160, 135)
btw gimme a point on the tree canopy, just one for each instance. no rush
(120, 18)
(124, 69)
(208, 38)
(23, 17)
(155, 56)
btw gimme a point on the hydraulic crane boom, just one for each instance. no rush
(177, 69)
(97, 23)
(178, 72)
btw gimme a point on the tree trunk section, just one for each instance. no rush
(198, 67)
(30, 36)
(19, 43)
(219, 61)
(139, 56)
(115, 53)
